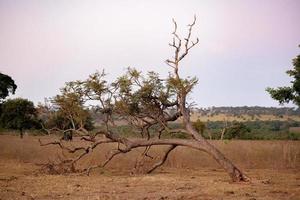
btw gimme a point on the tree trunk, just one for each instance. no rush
(210, 135)
(21, 133)
(222, 134)
(235, 174)
(224, 130)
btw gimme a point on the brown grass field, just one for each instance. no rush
(274, 168)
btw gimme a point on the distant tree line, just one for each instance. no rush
(253, 130)
(218, 130)
(248, 110)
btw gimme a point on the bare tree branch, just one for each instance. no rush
(163, 160)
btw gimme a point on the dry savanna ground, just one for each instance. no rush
(272, 165)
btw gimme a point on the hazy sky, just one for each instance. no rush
(245, 46)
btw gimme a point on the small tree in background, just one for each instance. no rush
(236, 130)
(18, 114)
(66, 112)
(291, 93)
(7, 86)
(199, 126)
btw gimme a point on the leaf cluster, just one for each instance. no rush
(289, 93)
(7, 85)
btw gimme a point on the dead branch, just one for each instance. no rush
(112, 154)
(163, 160)
(61, 146)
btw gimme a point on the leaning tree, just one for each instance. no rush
(149, 105)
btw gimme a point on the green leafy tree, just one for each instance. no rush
(289, 93)
(236, 131)
(18, 114)
(199, 126)
(66, 111)
(7, 85)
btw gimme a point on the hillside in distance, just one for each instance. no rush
(229, 114)
(246, 113)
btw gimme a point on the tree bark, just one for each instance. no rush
(163, 160)
(222, 133)
(235, 174)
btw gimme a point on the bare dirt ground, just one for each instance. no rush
(273, 166)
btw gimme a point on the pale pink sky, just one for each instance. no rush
(245, 46)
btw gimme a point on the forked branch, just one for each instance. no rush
(177, 44)
(163, 160)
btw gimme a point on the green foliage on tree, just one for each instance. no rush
(289, 93)
(66, 111)
(199, 126)
(18, 114)
(142, 94)
(7, 85)
(236, 130)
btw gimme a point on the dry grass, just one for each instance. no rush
(188, 174)
(294, 129)
(247, 154)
